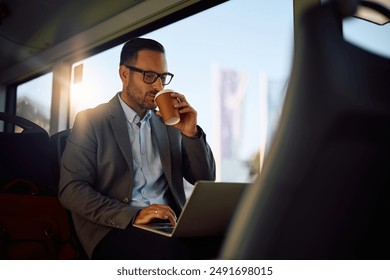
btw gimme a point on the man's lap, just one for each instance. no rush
(135, 243)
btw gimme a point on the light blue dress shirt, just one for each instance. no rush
(150, 184)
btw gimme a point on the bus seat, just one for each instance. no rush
(57, 146)
(324, 191)
(25, 155)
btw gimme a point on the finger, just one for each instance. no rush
(164, 214)
(172, 220)
(155, 211)
(143, 217)
(180, 96)
(181, 104)
(188, 109)
(165, 208)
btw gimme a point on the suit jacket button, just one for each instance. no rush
(126, 199)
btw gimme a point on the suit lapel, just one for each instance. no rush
(120, 131)
(160, 137)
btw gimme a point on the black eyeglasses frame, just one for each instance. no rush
(162, 76)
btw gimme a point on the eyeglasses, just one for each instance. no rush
(150, 76)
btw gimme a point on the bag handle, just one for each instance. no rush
(14, 184)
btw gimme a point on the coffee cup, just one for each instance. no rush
(165, 103)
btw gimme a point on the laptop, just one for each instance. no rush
(207, 212)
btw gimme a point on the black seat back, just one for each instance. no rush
(57, 146)
(25, 155)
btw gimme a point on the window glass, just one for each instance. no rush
(231, 62)
(372, 37)
(33, 100)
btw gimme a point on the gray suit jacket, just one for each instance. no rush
(97, 169)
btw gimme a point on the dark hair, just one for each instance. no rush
(131, 48)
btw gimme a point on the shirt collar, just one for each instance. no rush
(131, 115)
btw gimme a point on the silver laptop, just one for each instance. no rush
(207, 212)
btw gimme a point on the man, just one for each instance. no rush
(123, 165)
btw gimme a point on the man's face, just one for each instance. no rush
(136, 93)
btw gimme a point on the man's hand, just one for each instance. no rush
(188, 116)
(153, 212)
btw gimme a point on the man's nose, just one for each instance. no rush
(158, 85)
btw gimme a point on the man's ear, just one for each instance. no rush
(124, 73)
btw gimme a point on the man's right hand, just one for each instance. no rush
(153, 212)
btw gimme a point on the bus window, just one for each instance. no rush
(232, 62)
(33, 100)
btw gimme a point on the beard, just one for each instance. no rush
(138, 99)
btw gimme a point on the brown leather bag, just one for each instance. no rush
(33, 226)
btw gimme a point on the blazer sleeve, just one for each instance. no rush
(198, 159)
(81, 190)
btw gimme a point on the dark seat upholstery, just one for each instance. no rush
(25, 155)
(324, 191)
(57, 146)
